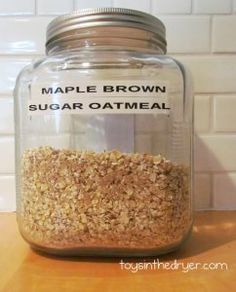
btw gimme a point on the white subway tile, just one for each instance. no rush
(187, 34)
(23, 35)
(202, 105)
(17, 7)
(7, 156)
(151, 123)
(7, 194)
(143, 143)
(211, 6)
(81, 4)
(224, 196)
(215, 153)
(224, 113)
(202, 191)
(143, 124)
(160, 145)
(212, 73)
(6, 116)
(143, 5)
(9, 69)
(224, 34)
(170, 6)
(54, 6)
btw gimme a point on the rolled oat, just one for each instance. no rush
(110, 199)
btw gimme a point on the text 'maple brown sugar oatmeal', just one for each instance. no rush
(110, 199)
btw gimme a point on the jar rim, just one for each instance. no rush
(67, 24)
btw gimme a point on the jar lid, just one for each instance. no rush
(116, 17)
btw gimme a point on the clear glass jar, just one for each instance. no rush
(104, 139)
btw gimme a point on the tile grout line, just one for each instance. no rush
(74, 5)
(151, 7)
(232, 7)
(192, 7)
(212, 111)
(211, 35)
(35, 7)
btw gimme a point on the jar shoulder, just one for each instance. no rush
(89, 61)
(88, 57)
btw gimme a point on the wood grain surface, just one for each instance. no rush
(213, 241)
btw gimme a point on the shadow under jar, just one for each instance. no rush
(104, 139)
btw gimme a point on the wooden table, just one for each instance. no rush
(213, 241)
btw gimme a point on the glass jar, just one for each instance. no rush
(104, 139)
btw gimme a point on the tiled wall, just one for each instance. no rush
(201, 33)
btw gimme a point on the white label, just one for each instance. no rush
(100, 97)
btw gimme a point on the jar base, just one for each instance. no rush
(108, 252)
